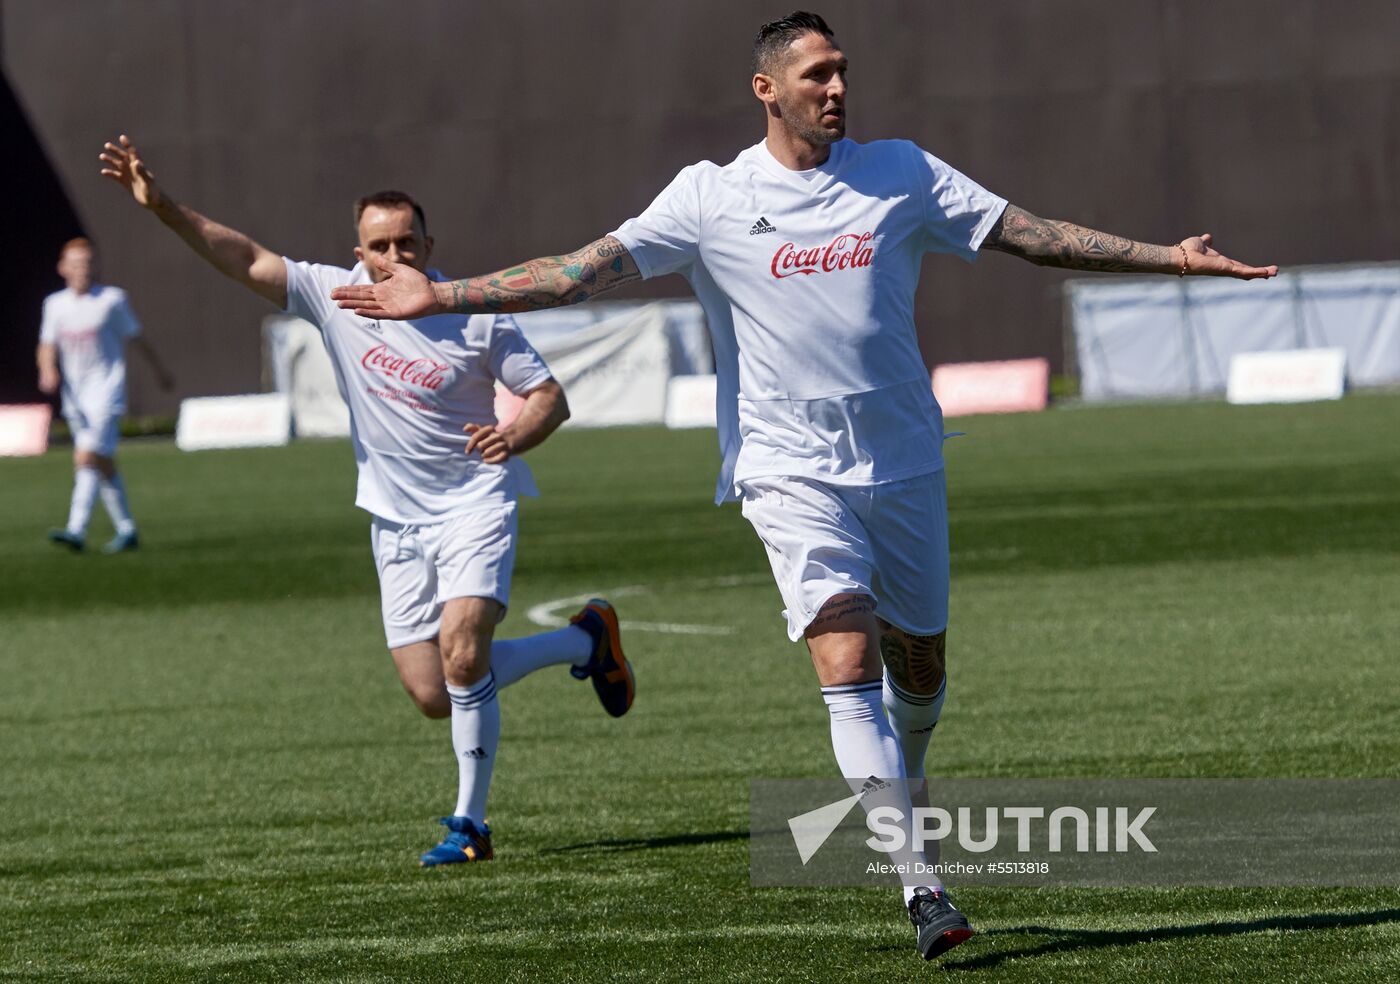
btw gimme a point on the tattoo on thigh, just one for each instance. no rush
(916, 663)
(837, 610)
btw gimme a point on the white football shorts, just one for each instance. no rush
(888, 541)
(93, 433)
(422, 567)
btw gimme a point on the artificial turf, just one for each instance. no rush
(208, 770)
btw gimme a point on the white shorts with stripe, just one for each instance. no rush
(888, 541)
(422, 567)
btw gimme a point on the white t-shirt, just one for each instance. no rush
(90, 332)
(411, 386)
(807, 279)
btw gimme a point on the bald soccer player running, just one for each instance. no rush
(805, 252)
(444, 519)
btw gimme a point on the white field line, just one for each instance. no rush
(546, 613)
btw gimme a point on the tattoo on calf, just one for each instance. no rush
(916, 663)
(1050, 242)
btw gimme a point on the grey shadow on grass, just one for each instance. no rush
(650, 843)
(1072, 940)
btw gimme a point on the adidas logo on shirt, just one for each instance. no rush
(762, 226)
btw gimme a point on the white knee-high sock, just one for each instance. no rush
(865, 747)
(476, 731)
(914, 717)
(85, 481)
(514, 659)
(114, 499)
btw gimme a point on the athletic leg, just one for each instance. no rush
(113, 493)
(908, 526)
(86, 481)
(420, 671)
(914, 687)
(465, 641)
(514, 659)
(844, 643)
(821, 560)
(420, 664)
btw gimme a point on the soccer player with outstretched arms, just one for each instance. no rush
(443, 526)
(804, 252)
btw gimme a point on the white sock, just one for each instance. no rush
(913, 717)
(476, 731)
(114, 499)
(514, 659)
(866, 748)
(85, 482)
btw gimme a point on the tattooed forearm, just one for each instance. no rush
(916, 663)
(1050, 242)
(550, 281)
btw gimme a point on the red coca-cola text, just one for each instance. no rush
(415, 372)
(846, 251)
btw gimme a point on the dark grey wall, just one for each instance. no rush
(534, 127)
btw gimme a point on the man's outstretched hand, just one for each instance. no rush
(405, 294)
(121, 162)
(1203, 261)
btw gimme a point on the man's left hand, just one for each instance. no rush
(488, 441)
(1203, 261)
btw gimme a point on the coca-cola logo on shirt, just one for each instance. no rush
(415, 372)
(846, 251)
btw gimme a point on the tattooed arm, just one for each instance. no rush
(1050, 242)
(550, 281)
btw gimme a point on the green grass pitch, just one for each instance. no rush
(208, 770)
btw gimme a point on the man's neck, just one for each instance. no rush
(794, 153)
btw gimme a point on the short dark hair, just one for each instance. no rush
(391, 199)
(774, 38)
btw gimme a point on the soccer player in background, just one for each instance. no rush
(444, 523)
(83, 337)
(805, 253)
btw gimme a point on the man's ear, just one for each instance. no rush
(764, 89)
(359, 254)
(427, 247)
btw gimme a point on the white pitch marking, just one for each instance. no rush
(545, 614)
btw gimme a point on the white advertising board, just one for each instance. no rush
(256, 421)
(1293, 376)
(690, 401)
(24, 429)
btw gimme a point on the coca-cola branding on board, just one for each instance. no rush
(415, 372)
(845, 252)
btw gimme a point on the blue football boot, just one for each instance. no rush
(73, 541)
(466, 841)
